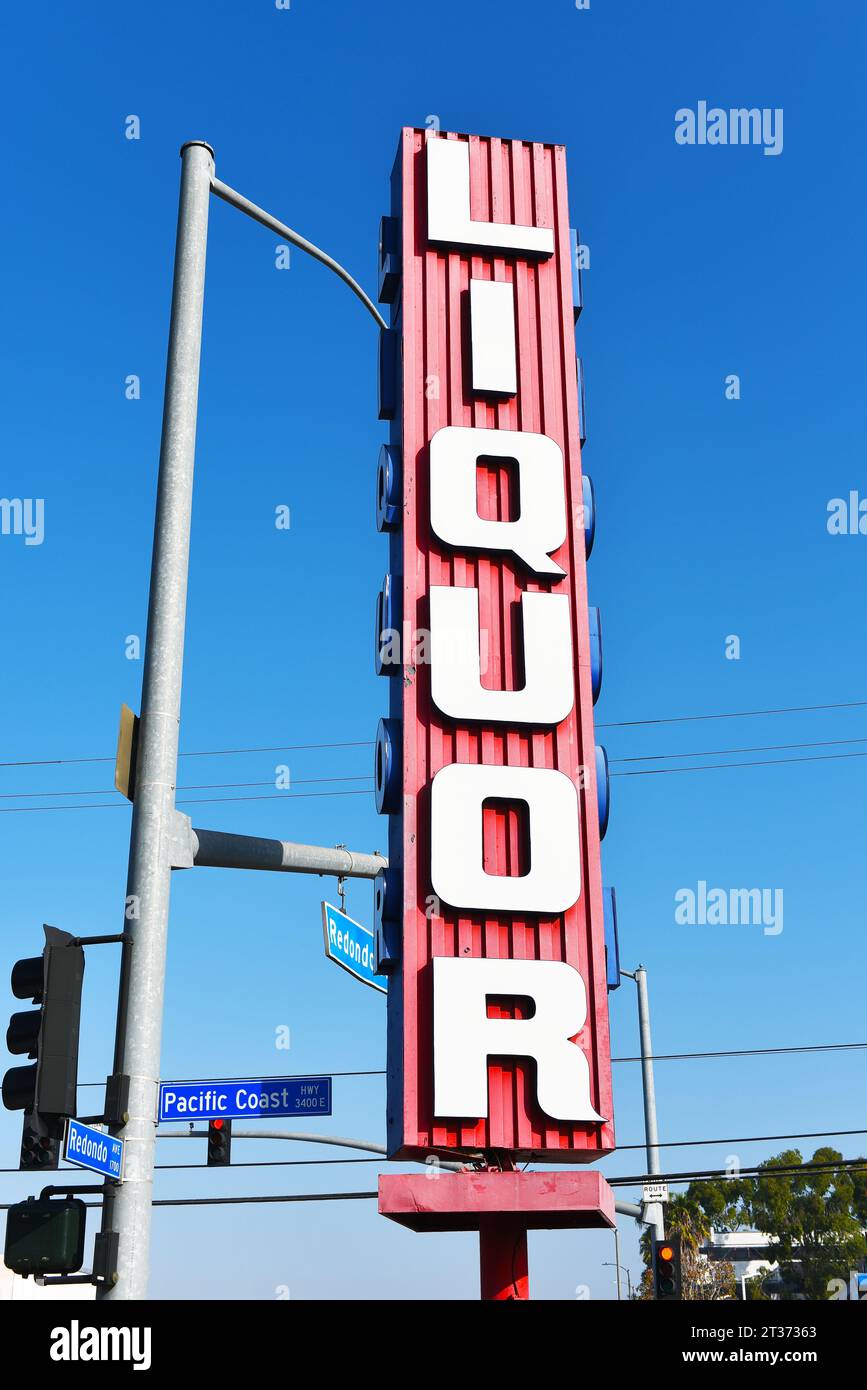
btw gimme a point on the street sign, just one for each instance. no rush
(246, 1098)
(94, 1149)
(127, 750)
(655, 1192)
(350, 944)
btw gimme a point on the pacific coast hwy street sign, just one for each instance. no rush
(246, 1098)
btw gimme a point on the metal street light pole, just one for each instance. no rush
(127, 1208)
(653, 1212)
(615, 1264)
(161, 838)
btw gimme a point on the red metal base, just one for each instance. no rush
(502, 1207)
(442, 1201)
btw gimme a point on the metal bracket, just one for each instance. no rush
(341, 883)
(179, 839)
(105, 1249)
(48, 1281)
(66, 1189)
(116, 1101)
(119, 938)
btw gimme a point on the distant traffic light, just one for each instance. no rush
(48, 1034)
(219, 1143)
(667, 1285)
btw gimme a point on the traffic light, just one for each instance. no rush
(666, 1270)
(219, 1143)
(48, 1034)
(45, 1235)
(40, 1150)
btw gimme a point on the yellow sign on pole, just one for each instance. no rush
(127, 748)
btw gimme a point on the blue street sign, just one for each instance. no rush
(350, 944)
(91, 1148)
(248, 1099)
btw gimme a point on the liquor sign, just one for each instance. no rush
(489, 920)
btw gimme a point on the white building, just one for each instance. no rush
(17, 1290)
(747, 1251)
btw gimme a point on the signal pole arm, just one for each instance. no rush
(217, 849)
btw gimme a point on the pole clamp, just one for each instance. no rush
(179, 840)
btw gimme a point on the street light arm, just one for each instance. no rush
(629, 1209)
(365, 1145)
(228, 195)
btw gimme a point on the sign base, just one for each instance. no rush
(502, 1207)
(463, 1201)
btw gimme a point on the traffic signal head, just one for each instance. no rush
(666, 1270)
(219, 1143)
(45, 1236)
(48, 1034)
(40, 1148)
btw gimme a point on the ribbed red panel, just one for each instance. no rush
(511, 181)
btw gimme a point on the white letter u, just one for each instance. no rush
(455, 650)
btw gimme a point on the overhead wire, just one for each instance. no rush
(365, 777)
(699, 1175)
(368, 743)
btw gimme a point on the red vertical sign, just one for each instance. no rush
(491, 922)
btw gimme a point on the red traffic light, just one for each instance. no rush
(219, 1143)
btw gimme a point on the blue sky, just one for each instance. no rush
(705, 261)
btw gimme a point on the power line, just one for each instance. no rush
(663, 1144)
(203, 753)
(366, 777)
(853, 1165)
(657, 1057)
(745, 1139)
(239, 1201)
(257, 1163)
(365, 791)
(179, 1080)
(717, 767)
(269, 1163)
(720, 752)
(746, 1052)
(729, 714)
(849, 1165)
(185, 801)
(673, 1144)
(201, 787)
(368, 743)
